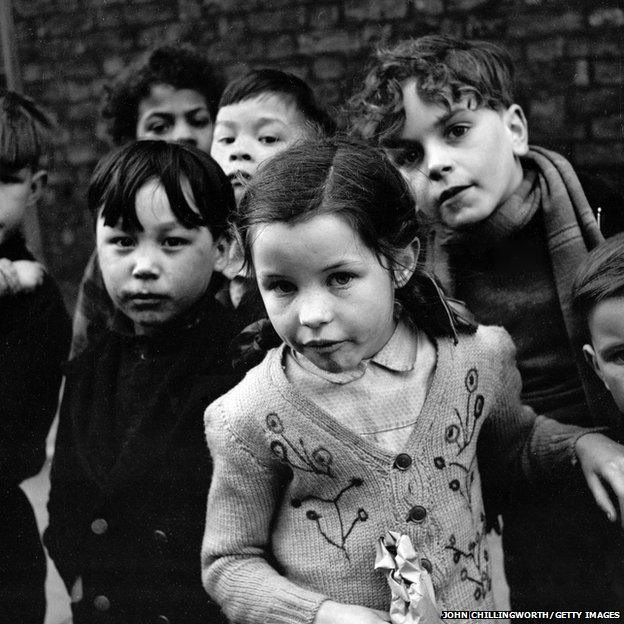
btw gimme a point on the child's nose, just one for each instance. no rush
(314, 311)
(145, 266)
(183, 133)
(241, 150)
(437, 161)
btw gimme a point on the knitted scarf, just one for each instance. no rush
(571, 231)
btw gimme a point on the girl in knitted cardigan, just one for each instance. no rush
(369, 416)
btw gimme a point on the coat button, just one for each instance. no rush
(402, 461)
(426, 564)
(162, 619)
(99, 526)
(101, 603)
(417, 514)
(160, 536)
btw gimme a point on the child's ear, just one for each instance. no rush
(517, 126)
(37, 182)
(405, 264)
(592, 360)
(223, 253)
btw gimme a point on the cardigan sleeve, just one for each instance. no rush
(516, 446)
(244, 495)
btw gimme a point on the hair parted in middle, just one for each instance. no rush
(119, 175)
(258, 82)
(333, 175)
(446, 70)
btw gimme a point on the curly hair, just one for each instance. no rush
(446, 70)
(182, 67)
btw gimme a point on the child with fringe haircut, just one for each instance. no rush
(170, 94)
(512, 225)
(35, 334)
(131, 469)
(366, 418)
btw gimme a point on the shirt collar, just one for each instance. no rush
(398, 354)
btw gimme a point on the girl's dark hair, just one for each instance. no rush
(338, 176)
(182, 67)
(23, 131)
(258, 82)
(119, 175)
(600, 277)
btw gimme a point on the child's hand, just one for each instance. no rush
(30, 274)
(332, 612)
(602, 460)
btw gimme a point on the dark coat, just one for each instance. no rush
(35, 331)
(131, 524)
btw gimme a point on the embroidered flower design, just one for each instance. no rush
(274, 423)
(472, 380)
(452, 433)
(478, 407)
(322, 457)
(279, 450)
(439, 462)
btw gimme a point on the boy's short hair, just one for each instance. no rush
(600, 277)
(23, 131)
(182, 67)
(258, 82)
(119, 175)
(446, 69)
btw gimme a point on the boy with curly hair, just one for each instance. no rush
(511, 225)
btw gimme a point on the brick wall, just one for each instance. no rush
(569, 55)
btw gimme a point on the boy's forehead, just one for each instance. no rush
(268, 106)
(606, 321)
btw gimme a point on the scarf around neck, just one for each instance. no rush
(551, 184)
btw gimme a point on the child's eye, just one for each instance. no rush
(268, 139)
(408, 157)
(172, 242)
(457, 131)
(340, 279)
(282, 287)
(226, 140)
(122, 241)
(158, 128)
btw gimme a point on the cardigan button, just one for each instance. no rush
(99, 526)
(417, 514)
(160, 536)
(426, 564)
(402, 461)
(101, 603)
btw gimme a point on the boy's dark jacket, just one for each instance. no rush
(133, 531)
(35, 331)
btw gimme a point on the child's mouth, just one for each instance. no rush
(450, 193)
(239, 178)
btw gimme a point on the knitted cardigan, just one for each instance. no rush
(298, 501)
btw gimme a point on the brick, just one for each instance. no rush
(466, 5)
(328, 67)
(369, 10)
(189, 10)
(547, 114)
(611, 127)
(546, 49)
(530, 25)
(578, 46)
(328, 41)
(281, 46)
(113, 65)
(581, 73)
(606, 46)
(453, 27)
(428, 7)
(599, 154)
(159, 35)
(606, 18)
(609, 72)
(279, 21)
(323, 17)
(234, 29)
(602, 101)
(490, 28)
